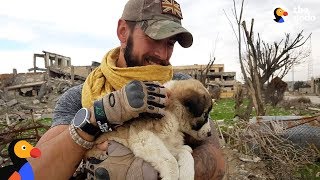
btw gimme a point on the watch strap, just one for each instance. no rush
(91, 129)
(100, 116)
(78, 139)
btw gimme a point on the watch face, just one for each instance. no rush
(80, 117)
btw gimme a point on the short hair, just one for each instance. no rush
(131, 25)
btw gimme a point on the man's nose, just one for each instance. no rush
(161, 51)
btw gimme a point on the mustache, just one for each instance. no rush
(157, 60)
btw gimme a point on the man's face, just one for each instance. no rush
(141, 50)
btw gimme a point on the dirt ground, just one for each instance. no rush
(241, 167)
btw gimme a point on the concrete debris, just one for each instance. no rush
(12, 102)
(243, 172)
(2, 102)
(8, 120)
(37, 116)
(314, 109)
(247, 158)
(30, 96)
(25, 90)
(36, 101)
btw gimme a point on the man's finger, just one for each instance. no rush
(152, 84)
(157, 91)
(103, 146)
(156, 101)
(155, 110)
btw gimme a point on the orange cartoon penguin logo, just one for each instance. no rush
(278, 13)
(19, 150)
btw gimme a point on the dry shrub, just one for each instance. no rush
(282, 158)
(275, 91)
(215, 92)
(304, 100)
(297, 103)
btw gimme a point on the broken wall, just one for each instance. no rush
(24, 78)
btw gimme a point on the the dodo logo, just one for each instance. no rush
(278, 13)
(18, 151)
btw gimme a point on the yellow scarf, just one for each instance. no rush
(107, 77)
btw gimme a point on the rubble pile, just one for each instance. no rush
(15, 105)
(26, 105)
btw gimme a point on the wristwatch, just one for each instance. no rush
(82, 121)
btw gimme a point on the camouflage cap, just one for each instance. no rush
(159, 19)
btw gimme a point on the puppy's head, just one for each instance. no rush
(191, 103)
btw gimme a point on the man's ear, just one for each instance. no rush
(123, 31)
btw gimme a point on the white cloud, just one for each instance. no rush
(15, 32)
(20, 60)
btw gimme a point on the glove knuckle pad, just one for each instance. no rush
(135, 94)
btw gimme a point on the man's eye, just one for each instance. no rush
(171, 43)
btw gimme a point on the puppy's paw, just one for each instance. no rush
(186, 175)
(188, 148)
(102, 138)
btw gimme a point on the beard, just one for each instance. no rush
(132, 60)
(128, 54)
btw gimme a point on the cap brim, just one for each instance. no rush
(161, 29)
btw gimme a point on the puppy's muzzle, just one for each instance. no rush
(204, 131)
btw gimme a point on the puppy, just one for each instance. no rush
(161, 141)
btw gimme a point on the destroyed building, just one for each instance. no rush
(42, 87)
(216, 77)
(311, 87)
(59, 66)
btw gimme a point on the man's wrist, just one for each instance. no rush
(85, 135)
(100, 116)
(85, 125)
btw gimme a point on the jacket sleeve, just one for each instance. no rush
(67, 106)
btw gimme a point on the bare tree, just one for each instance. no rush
(262, 60)
(278, 57)
(238, 36)
(204, 72)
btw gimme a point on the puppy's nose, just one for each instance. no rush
(208, 134)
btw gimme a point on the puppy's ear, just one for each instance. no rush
(195, 103)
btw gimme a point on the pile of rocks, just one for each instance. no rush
(16, 104)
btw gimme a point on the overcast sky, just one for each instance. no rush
(86, 30)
